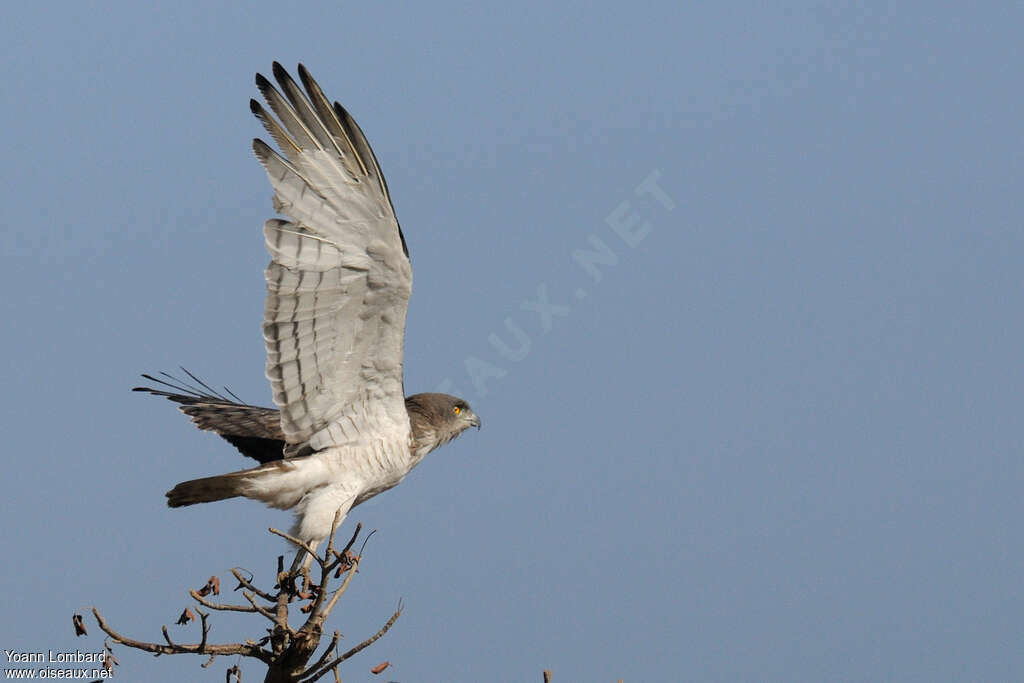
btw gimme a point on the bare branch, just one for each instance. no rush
(219, 606)
(173, 648)
(358, 648)
(247, 583)
(167, 636)
(262, 610)
(302, 544)
(317, 612)
(341, 590)
(324, 657)
(285, 650)
(206, 629)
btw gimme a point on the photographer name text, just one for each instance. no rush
(51, 657)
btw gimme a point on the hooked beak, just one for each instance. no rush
(475, 421)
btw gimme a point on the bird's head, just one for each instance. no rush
(438, 418)
(463, 415)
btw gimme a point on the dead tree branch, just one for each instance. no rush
(358, 648)
(286, 651)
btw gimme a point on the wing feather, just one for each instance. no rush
(339, 279)
(363, 148)
(274, 128)
(286, 113)
(329, 118)
(312, 121)
(255, 431)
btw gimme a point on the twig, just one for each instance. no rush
(256, 608)
(341, 590)
(324, 657)
(173, 648)
(358, 648)
(206, 629)
(219, 606)
(302, 544)
(167, 637)
(247, 583)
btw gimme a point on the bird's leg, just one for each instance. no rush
(304, 559)
(307, 582)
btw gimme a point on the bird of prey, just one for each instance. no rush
(338, 285)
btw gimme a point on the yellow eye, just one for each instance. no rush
(457, 410)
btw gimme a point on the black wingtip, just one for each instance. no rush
(307, 80)
(281, 74)
(340, 111)
(305, 76)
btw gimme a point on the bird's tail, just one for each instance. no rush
(209, 489)
(280, 484)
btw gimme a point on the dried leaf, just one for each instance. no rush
(186, 617)
(212, 586)
(348, 560)
(79, 625)
(380, 667)
(286, 583)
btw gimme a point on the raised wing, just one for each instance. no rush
(339, 279)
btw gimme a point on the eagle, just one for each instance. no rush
(338, 286)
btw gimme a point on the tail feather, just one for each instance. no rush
(280, 484)
(207, 489)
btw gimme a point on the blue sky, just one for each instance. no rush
(771, 434)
